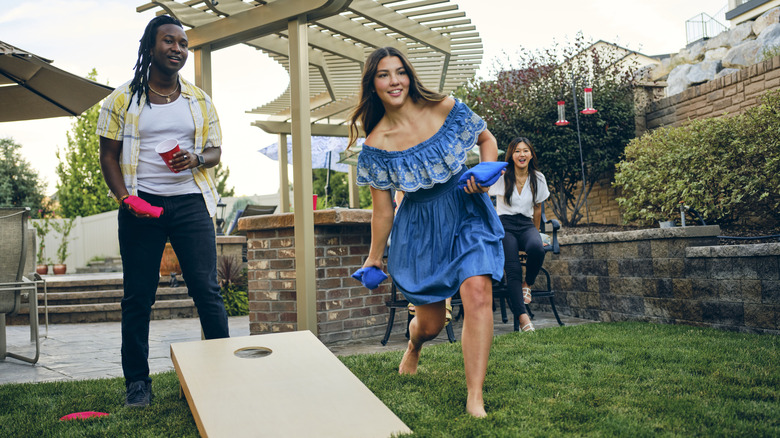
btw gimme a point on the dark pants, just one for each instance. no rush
(520, 234)
(187, 224)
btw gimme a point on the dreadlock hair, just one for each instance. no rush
(369, 110)
(509, 175)
(140, 82)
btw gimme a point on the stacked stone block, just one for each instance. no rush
(676, 275)
(725, 96)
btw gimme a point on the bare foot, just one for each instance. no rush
(476, 407)
(409, 362)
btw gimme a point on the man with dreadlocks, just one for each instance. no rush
(158, 104)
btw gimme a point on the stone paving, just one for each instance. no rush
(91, 351)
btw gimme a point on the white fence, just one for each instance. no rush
(96, 236)
(91, 237)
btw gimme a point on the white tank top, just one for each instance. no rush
(156, 124)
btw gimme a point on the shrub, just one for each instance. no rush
(726, 168)
(233, 283)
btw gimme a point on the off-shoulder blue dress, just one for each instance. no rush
(441, 235)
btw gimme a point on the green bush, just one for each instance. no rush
(233, 283)
(236, 301)
(725, 168)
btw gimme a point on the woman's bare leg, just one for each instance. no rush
(426, 325)
(477, 296)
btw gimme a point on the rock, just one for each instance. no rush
(694, 53)
(740, 33)
(743, 55)
(715, 54)
(768, 49)
(703, 71)
(718, 41)
(657, 71)
(726, 72)
(771, 32)
(766, 19)
(678, 80)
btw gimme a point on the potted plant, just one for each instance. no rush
(42, 263)
(64, 228)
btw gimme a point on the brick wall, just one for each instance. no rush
(729, 95)
(672, 275)
(345, 309)
(602, 204)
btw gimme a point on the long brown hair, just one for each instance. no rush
(509, 175)
(370, 110)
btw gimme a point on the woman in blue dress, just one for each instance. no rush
(444, 239)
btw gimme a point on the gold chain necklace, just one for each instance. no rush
(166, 96)
(520, 186)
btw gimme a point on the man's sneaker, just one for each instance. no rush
(139, 394)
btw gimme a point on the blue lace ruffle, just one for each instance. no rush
(431, 162)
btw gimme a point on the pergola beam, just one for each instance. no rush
(317, 129)
(399, 23)
(349, 28)
(305, 265)
(259, 21)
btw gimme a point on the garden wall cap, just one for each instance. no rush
(331, 216)
(650, 234)
(751, 250)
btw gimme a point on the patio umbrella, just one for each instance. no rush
(324, 155)
(324, 152)
(32, 88)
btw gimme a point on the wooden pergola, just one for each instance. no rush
(323, 45)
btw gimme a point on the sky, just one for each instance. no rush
(79, 35)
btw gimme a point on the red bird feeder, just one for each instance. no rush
(589, 102)
(561, 114)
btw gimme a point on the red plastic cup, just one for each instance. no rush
(314, 198)
(166, 149)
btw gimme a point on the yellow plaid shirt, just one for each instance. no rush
(118, 122)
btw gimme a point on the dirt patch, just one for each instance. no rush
(731, 230)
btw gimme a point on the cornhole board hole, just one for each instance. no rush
(277, 385)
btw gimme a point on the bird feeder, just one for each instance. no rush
(561, 114)
(589, 102)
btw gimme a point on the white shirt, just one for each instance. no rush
(522, 203)
(158, 123)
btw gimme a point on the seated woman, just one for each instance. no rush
(519, 195)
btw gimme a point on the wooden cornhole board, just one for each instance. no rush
(300, 389)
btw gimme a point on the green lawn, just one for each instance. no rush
(606, 379)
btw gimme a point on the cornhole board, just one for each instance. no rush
(277, 385)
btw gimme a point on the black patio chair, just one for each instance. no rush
(396, 303)
(544, 290)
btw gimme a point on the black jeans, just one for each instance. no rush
(520, 234)
(186, 222)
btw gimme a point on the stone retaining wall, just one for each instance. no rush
(728, 95)
(672, 275)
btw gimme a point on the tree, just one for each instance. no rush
(521, 101)
(339, 189)
(81, 189)
(221, 175)
(20, 185)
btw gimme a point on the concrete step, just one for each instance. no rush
(109, 264)
(78, 298)
(105, 296)
(107, 312)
